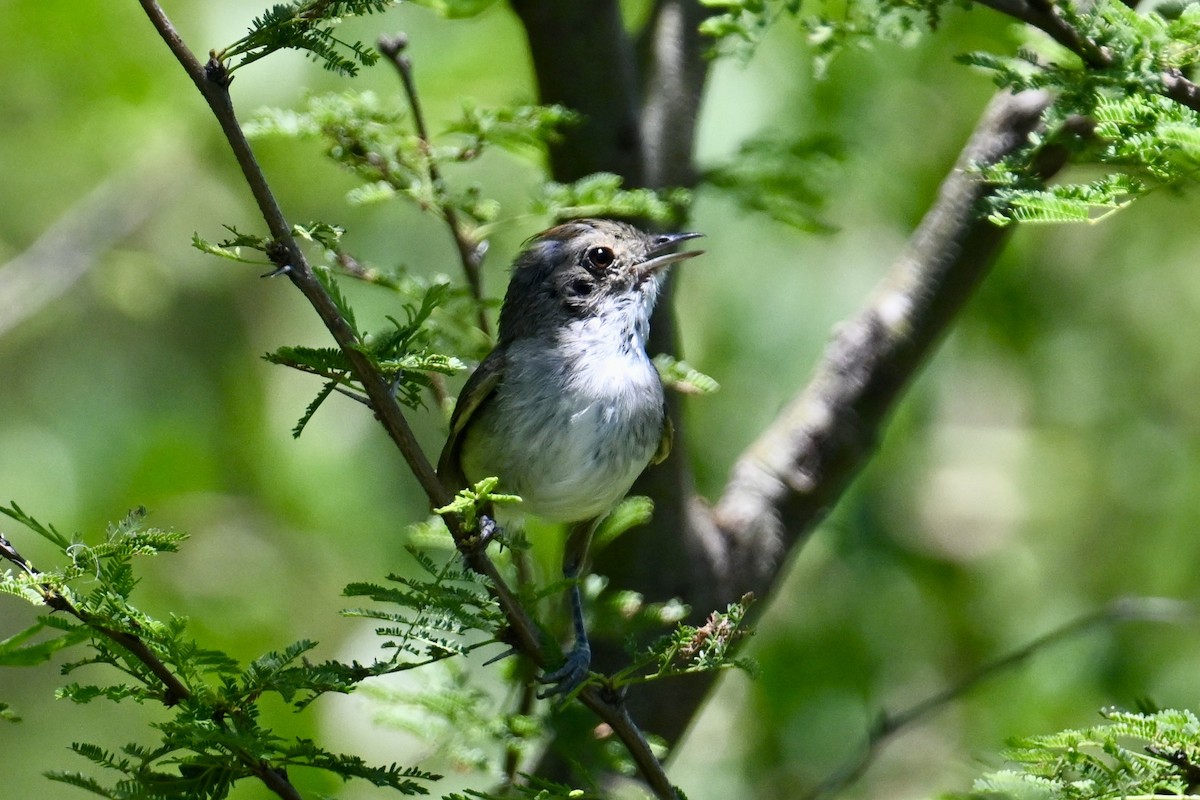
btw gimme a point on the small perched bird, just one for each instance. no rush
(568, 410)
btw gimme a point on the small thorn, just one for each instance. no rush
(512, 651)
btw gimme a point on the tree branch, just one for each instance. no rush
(174, 690)
(213, 82)
(786, 481)
(73, 244)
(469, 251)
(214, 86)
(1125, 609)
(1046, 17)
(561, 36)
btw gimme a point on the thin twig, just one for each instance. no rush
(470, 253)
(212, 80)
(1125, 609)
(616, 715)
(175, 691)
(527, 700)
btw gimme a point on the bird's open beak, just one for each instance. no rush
(660, 259)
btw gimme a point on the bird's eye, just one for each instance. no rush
(600, 257)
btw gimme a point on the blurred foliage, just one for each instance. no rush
(781, 179)
(373, 142)
(602, 194)
(1044, 463)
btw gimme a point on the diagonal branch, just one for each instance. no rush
(1047, 18)
(786, 481)
(78, 240)
(789, 478)
(212, 80)
(1121, 610)
(174, 689)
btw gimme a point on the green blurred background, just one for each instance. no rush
(1043, 464)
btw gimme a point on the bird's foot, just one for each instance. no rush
(562, 682)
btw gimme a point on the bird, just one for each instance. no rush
(568, 409)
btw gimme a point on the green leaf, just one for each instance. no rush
(231, 248)
(329, 281)
(516, 128)
(321, 397)
(47, 532)
(307, 26)
(19, 651)
(469, 502)
(81, 781)
(1130, 755)
(690, 649)
(326, 235)
(787, 180)
(629, 513)
(316, 360)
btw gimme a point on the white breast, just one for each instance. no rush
(570, 436)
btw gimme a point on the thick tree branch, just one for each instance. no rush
(674, 71)
(792, 474)
(790, 477)
(1047, 17)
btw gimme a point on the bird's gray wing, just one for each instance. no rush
(477, 390)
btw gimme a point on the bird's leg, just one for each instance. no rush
(574, 670)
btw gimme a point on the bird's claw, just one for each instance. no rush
(562, 682)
